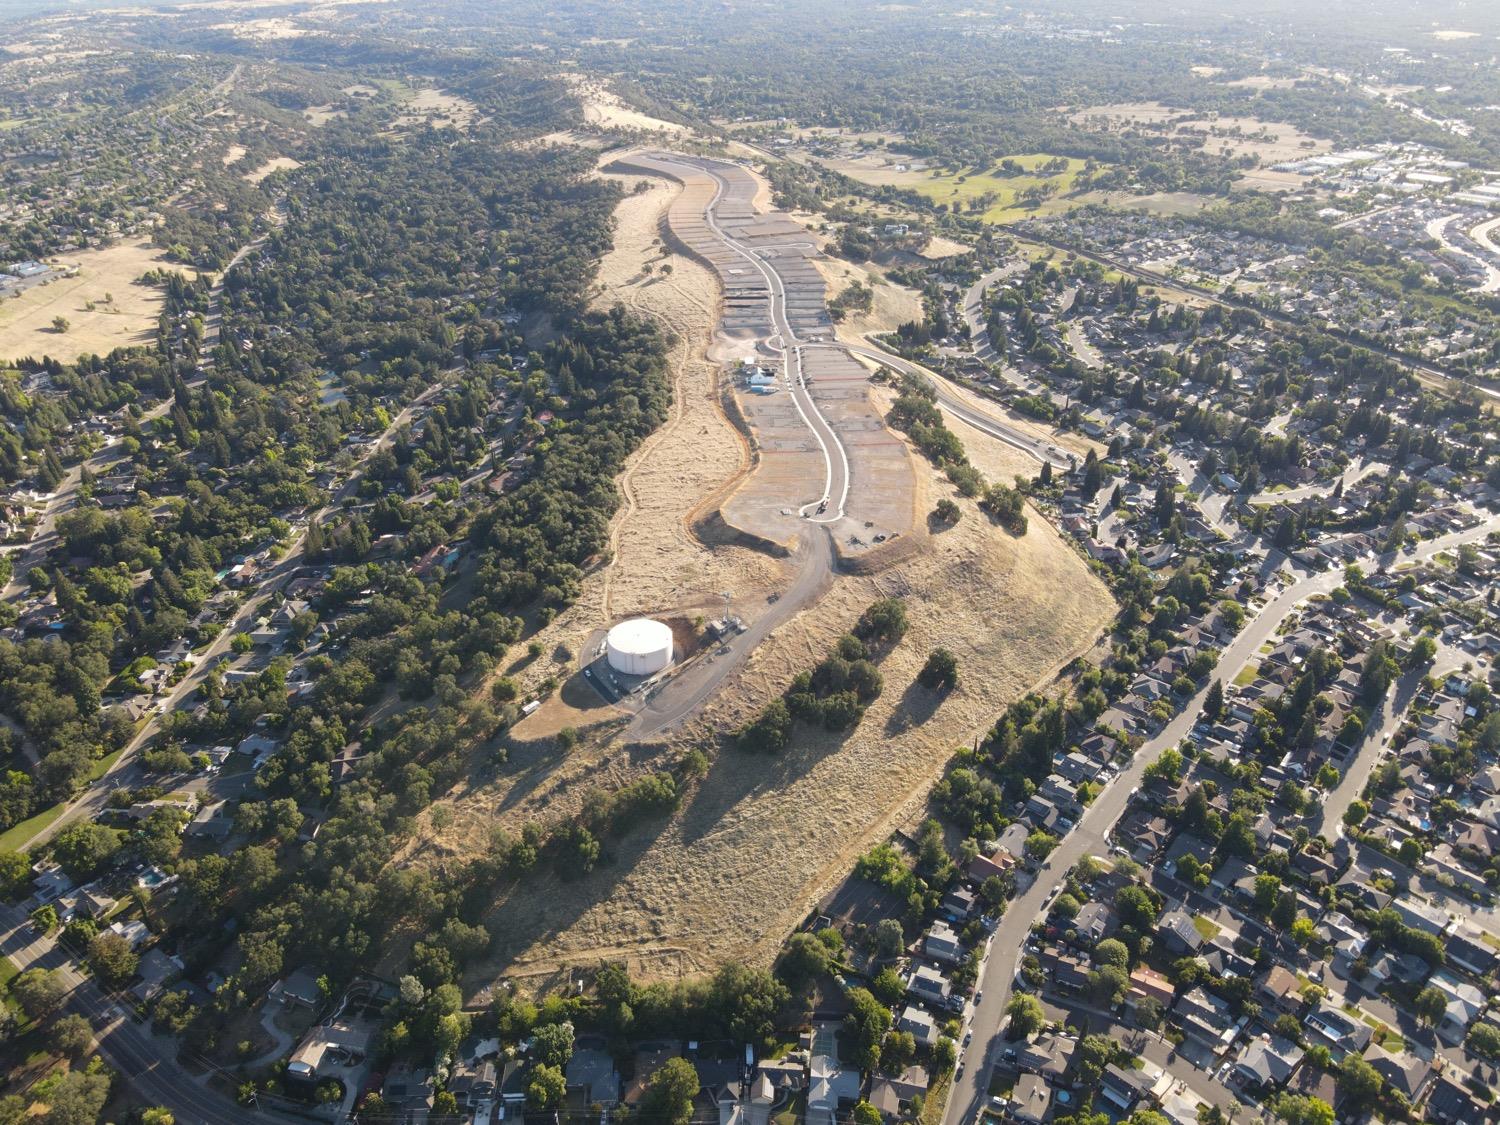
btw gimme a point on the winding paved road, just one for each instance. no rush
(681, 695)
(951, 401)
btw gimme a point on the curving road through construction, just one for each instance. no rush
(784, 342)
(681, 695)
(786, 327)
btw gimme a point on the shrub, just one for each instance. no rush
(883, 621)
(769, 732)
(940, 673)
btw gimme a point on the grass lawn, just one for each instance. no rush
(1390, 1040)
(1004, 192)
(1246, 675)
(1206, 926)
(795, 1111)
(18, 834)
(103, 764)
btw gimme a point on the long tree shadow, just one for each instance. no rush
(527, 909)
(738, 775)
(916, 706)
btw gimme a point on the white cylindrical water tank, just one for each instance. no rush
(639, 647)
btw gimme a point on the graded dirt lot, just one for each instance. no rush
(130, 318)
(697, 452)
(759, 839)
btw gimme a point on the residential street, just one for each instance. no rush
(1090, 835)
(124, 773)
(147, 1061)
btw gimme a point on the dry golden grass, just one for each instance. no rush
(320, 115)
(130, 318)
(939, 247)
(891, 306)
(435, 107)
(604, 108)
(263, 30)
(1269, 142)
(275, 164)
(1262, 82)
(757, 840)
(761, 839)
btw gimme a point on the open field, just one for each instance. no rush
(275, 164)
(997, 198)
(891, 306)
(320, 115)
(1264, 179)
(991, 456)
(1157, 202)
(1269, 142)
(233, 153)
(1261, 82)
(761, 838)
(130, 318)
(939, 247)
(264, 30)
(604, 108)
(440, 109)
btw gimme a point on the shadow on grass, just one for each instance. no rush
(917, 705)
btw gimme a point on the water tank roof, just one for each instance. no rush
(640, 635)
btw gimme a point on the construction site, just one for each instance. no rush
(750, 526)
